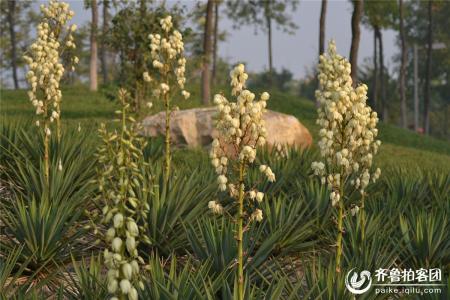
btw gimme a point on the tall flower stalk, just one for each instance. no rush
(167, 54)
(241, 130)
(120, 179)
(347, 138)
(54, 37)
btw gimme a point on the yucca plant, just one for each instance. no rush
(324, 283)
(124, 214)
(49, 233)
(241, 130)
(44, 59)
(347, 139)
(87, 281)
(11, 272)
(191, 280)
(291, 166)
(169, 64)
(69, 175)
(294, 221)
(46, 220)
(426, 238)
(214, 239)
(184, 202)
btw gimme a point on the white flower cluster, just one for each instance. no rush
(215, 207)
(123, 212)
(348, 127)
(167, 52)
(44, 60)
(241, 130)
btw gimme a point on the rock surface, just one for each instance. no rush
(195, 128)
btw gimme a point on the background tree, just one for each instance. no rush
(426, 108)
(356, 36)
(215, 40)
(323, 14)
(379, 15)
(92, 4)
(207, 51)
(261, 14)
(12, 34)
(402, 78)
(130, 29)
(417, 27)
(103, 41)
(16, 20)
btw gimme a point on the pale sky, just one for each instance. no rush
(297, 52)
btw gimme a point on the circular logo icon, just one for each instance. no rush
(358, 283)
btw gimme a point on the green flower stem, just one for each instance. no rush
(167, 139)
(122, 178)
(58, 124)
(340, 229)
(46, 156)
(240, 217)
(363, 219)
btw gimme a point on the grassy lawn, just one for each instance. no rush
(400, 147)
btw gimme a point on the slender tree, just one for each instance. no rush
(263, 15)
(402, 78)
(379, 15)
(356, 36)
(375, 72)
(384, 106)
(268, 16)
(103, 45)
(323, 14)
(416, 87)
(11, 15)
(216, 39)
(207, 51)
(93, 62)
(426, 109)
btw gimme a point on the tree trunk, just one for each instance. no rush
(356, 35)
(403, 107)
(93, 63)
(323, 14)
(416, 89)
(143, 7)
(426, 108)
(12, 36)
(384, 106)
(375, 72)
(269, 41)
(207, 50)
(103, 46)
(216, 33)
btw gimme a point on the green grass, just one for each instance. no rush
(400, 147)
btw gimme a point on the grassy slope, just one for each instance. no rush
(400, 147)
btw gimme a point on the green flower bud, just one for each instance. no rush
(118, 220)
(112, 286)
(125, 286)
(133, 294)
(132, 228)
(135, 267)
(116, 244)
(110, 234)
(131, 244)
(127, 271)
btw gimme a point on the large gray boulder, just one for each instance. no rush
(195, 128)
